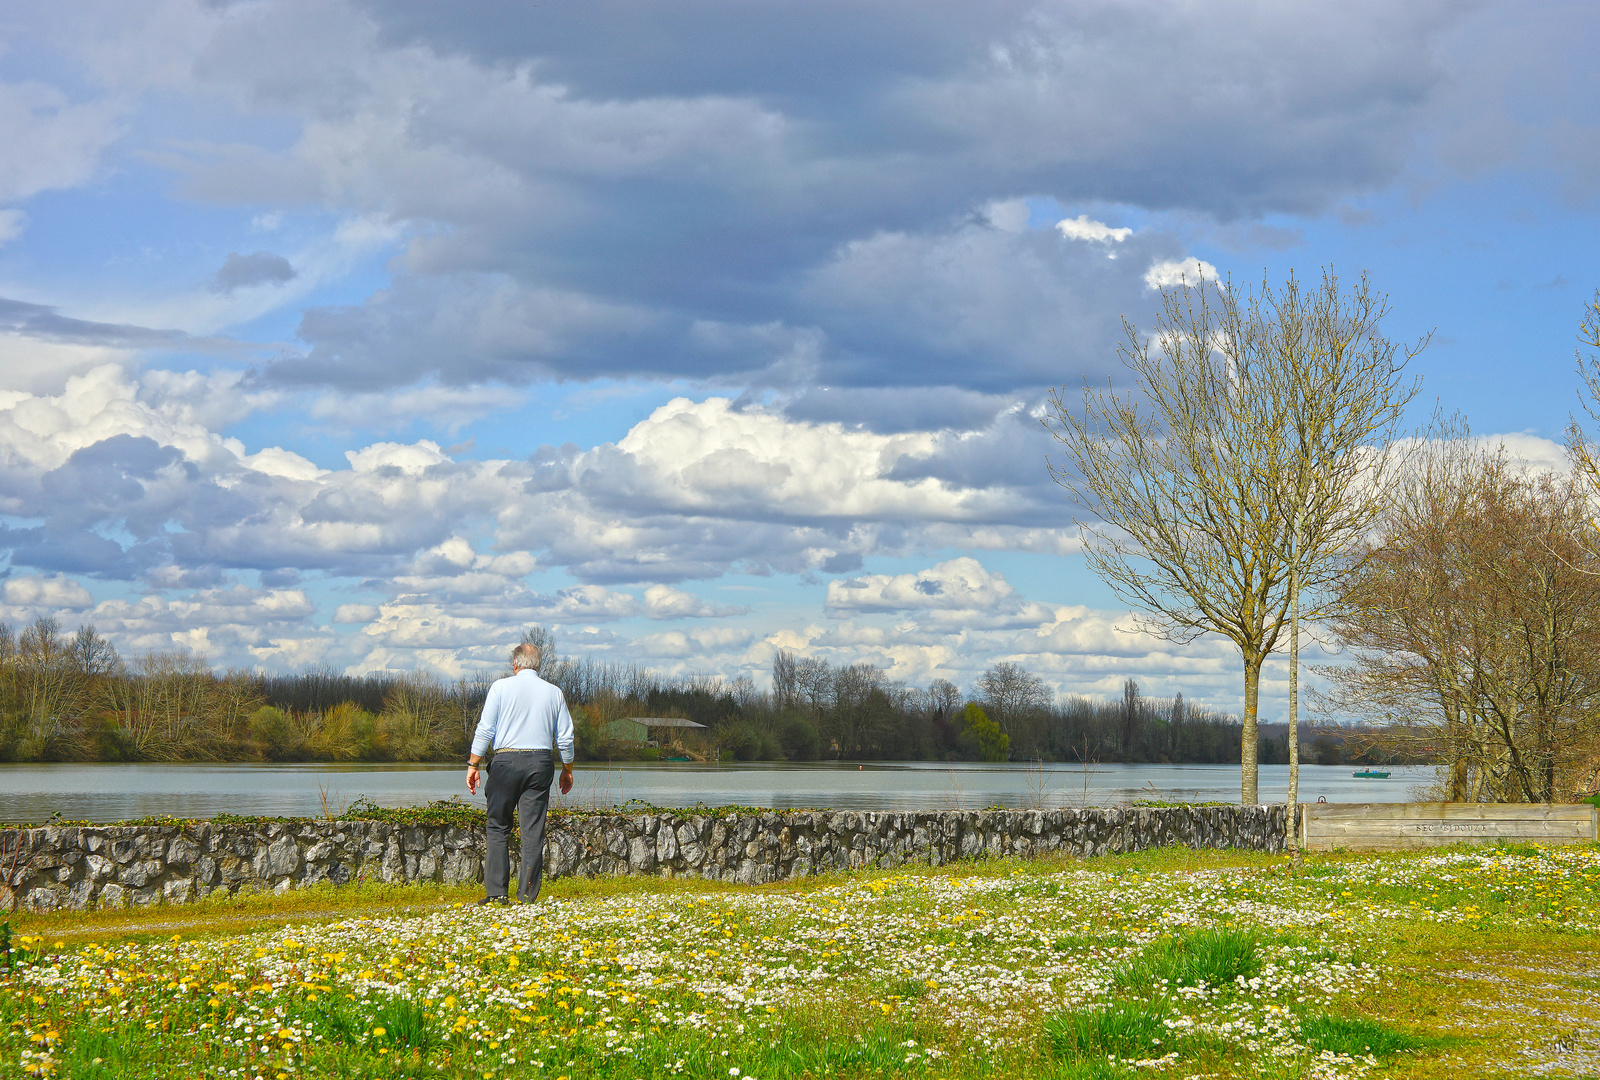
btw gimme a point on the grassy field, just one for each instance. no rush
(1466, 963)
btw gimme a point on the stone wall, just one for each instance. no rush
(112, 866)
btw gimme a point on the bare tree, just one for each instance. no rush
(43, 686)
(470, 694)
(1473, 623)
(1337, 383)
(860, 707)
(545, 641)
(814, 680)
(785, 680)
(1128, 719)
(93, 654)
(1010, 692)
(416, 717)
(944, 698)
(1189, 490)
(1408, 619)
(166, 705)
(1581, 448)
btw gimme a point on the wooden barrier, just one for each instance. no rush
(1398, 826)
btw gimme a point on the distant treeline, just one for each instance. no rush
(72, 698)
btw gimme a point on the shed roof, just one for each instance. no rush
(663, 721)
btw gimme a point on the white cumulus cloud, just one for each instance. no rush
(665, 602)
(960, 592)
(1083, 227)
(1190, 272)
(38, 591)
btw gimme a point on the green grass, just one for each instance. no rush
(907, 989)
(1516, 847)
(96, 1054)
(1309, 947)
(1126, 1029)
(956, 972)
(406, 1024)
(1355, 1035)
(1088, 1070)
(1067, 943)
(1213, 957)
(335, 1016)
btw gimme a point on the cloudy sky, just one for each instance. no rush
(364, 333)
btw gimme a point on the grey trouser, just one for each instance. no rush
(519, 780)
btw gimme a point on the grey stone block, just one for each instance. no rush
(140, 874)
(282, 857)
(641, 855)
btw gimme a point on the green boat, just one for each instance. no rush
(1370, 774)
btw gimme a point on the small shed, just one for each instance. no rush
(646, 729)
(628, 731)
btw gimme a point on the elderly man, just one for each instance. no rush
(526, 720)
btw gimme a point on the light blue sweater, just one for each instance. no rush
(524, 713)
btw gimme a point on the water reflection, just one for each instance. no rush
(110, 792)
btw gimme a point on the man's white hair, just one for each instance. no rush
(526, 656)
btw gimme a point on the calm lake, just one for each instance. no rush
(111, 792)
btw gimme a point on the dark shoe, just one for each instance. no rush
(500, 900)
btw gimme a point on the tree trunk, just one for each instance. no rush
(1294, 709)
(1250, 739)
(1456, 729)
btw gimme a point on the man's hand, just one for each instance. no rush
(472, 779)
(566, 778)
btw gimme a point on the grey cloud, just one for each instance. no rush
(589, 638)
(1217, 106)
(902, 408)
(595, 186)
(129, 505)
(665, 548)
(981, 310)
(173, 576)
(794, 50)
(842, 562)
(980, 307)
(42, 321)
(110, 469)
(111, 508)
(1012, 451)
(131, 484)
(468, 328)
(64, 548)
(258, 268)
